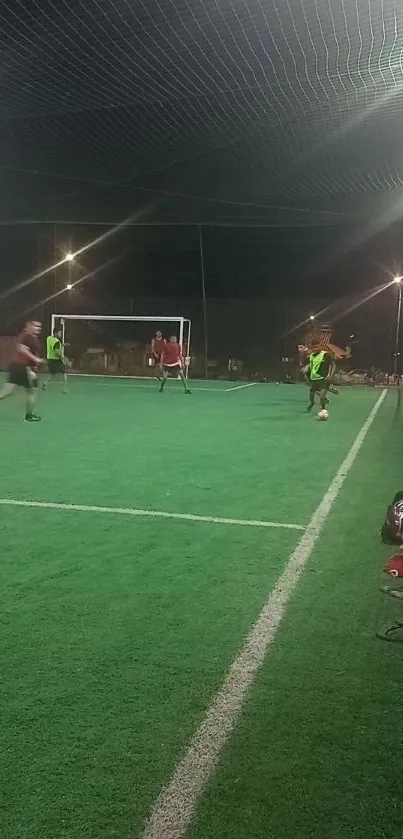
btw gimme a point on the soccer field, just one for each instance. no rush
(142, 535)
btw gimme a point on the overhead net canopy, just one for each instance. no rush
(271, 113)
(120, 346)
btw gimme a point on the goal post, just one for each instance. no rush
(114, 334)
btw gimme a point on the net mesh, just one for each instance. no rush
(228, 111)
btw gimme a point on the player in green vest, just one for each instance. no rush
(55, 358)
(319, 373)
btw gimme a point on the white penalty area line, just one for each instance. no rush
(135, 386)
(240, 387)
(151, 379)
(176, 805)
(156, 514)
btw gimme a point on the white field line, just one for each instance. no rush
(177, 802)
(157, 514)
(239, 387)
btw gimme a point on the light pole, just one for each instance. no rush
(398, 281)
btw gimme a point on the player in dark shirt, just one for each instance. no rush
(23, 370)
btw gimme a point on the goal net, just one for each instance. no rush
(118, 345)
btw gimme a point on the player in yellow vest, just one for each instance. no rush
(55, 358)
(319, 375)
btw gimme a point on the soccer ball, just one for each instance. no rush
(323, 415)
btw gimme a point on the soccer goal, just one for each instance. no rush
(118, 345)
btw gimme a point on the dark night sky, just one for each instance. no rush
(276, 126)
(165, 261)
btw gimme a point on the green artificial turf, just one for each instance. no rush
(113, 639)
(318, 751)
(116, 631)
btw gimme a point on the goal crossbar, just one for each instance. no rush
(150, 318)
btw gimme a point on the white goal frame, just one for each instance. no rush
(180, 321)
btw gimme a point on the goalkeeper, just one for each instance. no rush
(56, 361)
(319, 373)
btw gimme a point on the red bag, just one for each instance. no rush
(394, 566)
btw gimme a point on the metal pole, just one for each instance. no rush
(203, 280)
(55, 255)
(181, 333)
(189, 322)
(398, 319)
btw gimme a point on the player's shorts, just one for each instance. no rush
(318, 385)
(172, 368)
(55, 366)
(19, 375)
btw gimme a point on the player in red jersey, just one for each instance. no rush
(24, 366)
(172, 361)
(158, 344)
